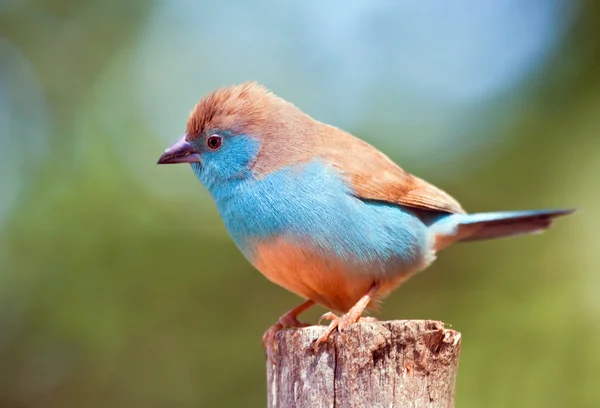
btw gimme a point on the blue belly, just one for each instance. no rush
(312, 204)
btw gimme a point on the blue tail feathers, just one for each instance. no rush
(479, 226)
(503, 224)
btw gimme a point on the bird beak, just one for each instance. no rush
(179, 152)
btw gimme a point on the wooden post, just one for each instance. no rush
(402, 363)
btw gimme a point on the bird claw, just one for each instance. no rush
(285, 322)
(268, 340)
(327, 316)
(332, 316)
(337, 322)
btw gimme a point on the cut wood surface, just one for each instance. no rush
(402, 363)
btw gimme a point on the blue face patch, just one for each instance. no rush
(312, 204)
(231, 161)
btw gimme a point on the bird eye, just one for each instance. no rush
(214, 142)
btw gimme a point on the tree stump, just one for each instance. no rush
(402, 363)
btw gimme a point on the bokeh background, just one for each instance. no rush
(119, 286)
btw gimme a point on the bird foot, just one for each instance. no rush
(287, 321)
(327, 316)
(284, 322)
(340, 323)
(352, 316)
(332, 316)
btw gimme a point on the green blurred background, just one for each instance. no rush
(119, 286)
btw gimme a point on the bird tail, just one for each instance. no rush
(479, 226)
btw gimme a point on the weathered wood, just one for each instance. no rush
(403, 363)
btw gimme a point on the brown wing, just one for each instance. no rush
(373, 176)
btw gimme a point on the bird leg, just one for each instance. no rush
(352, 316)
(288, 320)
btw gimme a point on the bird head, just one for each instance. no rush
(239, 132)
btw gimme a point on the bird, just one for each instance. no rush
(320, 212)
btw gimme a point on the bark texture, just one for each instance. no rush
(402, 363)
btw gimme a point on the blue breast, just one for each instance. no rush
(311, 203)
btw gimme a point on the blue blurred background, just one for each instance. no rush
(119, 286)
